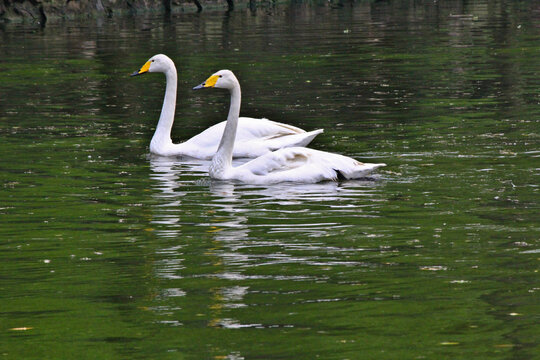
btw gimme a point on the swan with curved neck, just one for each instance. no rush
(255, 136)
(293, 164)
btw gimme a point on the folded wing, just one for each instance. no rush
(254, 137)
(297, 164)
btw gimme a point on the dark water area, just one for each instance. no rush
(107, 252)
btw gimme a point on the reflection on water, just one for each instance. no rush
(252, 227)
(235, 210)
(236, 203)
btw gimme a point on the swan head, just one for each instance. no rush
(157, 63)
(223, 79)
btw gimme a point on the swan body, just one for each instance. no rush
(294, 164)
(255, 137)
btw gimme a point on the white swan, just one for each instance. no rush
(255, 136)
(296, 164)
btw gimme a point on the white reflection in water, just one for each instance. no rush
(291, 193)
(253, 226)
(311, 210)
(167, 172)
(311, 205)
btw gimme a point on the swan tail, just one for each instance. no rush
(295, 140)
(361, 171)
(308, 137)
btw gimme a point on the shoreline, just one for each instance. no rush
(42, 11)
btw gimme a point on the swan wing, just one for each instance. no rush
(298, 164)
(275, 142)
(254, 138)
(248, 129)
(251, 128)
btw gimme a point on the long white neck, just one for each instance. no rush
(162, 135)
(222, 160)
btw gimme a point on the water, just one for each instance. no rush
(107, 252)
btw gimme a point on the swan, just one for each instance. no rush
(255, 136)
(292, 164)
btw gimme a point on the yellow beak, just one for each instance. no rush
(144, 69)
(210, 82)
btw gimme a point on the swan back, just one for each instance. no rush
(299, 164)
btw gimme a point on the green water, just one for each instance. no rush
(109, 253)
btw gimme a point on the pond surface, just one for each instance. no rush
(109, 253)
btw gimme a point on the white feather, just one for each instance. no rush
(255, 137)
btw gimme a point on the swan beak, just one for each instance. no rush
(144, 69)
(210, 82)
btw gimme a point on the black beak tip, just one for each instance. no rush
(135, 73)
(198, 87)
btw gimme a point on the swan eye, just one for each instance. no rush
(220, 76)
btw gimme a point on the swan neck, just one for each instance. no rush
(162, 135)
(223, 158)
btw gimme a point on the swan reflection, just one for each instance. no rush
(176, 178)
(234, 229)
(241, 216)
(182, 185)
